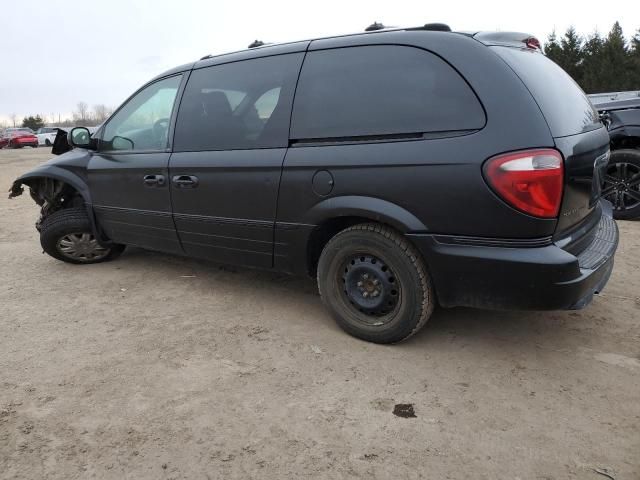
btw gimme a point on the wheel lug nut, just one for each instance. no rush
(365, 294)
(376, 282)
(359, 284)
(365, 276)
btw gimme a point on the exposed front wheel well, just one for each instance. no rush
(50, 194)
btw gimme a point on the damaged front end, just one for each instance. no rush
(49, 193)
(59, 183)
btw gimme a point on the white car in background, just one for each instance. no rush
(46, 135)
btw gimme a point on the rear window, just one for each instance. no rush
(379, 90)
(565, 106)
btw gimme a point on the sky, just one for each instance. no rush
(56, 54)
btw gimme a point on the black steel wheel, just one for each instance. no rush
(375, 284)
(371, 287)
(621, 185)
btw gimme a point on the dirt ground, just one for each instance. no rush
(162, 367)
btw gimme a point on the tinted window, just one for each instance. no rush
(564, 105)
(143, 122)
(376, 90)
(238, 105)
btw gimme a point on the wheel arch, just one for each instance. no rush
(32, 178)
(334, 214)
(39, 180)
(626, 137)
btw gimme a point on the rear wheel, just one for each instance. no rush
(374, 283)
(66, 235)
(621, 184)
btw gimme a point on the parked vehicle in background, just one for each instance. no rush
(46, 135)
(18, 138)
(402, 169)
(621, 184)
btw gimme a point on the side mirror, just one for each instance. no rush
(79, 137)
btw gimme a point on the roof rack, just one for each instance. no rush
(256, 43)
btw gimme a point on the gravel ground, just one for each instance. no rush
(155, 366)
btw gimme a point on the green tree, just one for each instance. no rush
(593, 78)
(634, 62)
(552, 48)
(571, 54)
(615, 61)
(34, 123)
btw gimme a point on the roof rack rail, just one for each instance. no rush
(256, 43)
(374, 26)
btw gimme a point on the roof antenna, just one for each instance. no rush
(374, 26)
(256, 43)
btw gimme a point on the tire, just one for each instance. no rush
(47, 143)
(397, 306)
(622, 183)
(67, 231)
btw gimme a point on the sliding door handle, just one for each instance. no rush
(185, 181)
(151, 180)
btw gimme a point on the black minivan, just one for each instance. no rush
(404, 168)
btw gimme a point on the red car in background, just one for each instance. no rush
(18, 138)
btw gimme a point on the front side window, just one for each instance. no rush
(240, 105)
(143, 122)
(380, 90)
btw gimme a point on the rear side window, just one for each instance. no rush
(240, 105)
(563, 103)
(380, 90)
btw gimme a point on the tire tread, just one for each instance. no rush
(414, 256)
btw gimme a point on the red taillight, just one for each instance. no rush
(530, 181)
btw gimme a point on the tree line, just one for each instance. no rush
(598, 64)
(82, 116)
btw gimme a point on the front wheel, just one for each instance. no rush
(66, 235)
(374, 283)
(621, 184)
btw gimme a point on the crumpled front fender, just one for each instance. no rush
(53, 172)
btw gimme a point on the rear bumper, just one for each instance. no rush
(519, 278)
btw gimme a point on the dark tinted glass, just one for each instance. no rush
(564, 105)
(375, 90)
(238, 105)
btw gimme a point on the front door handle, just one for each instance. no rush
(185, 181)
(151, 180)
